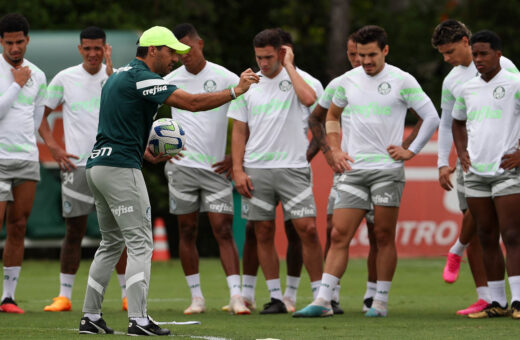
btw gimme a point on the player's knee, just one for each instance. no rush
(16, 228)
(188, 232)
(224, 232)
(511, 237)
(264, 234)
(338, 238)
(384, 237)
(308, 233)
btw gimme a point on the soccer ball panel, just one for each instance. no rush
(167, 137)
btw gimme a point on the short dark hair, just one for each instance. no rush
(487, 36)
(142, 51)
(92, 32)
(13, 22)
(268, 37)
(448, 32)
(185, 29)
(372, 33)
(285, 36)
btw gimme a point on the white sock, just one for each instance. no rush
(141, 321)
(194, 284)
(335, 293)
(248, 287)
(483, 293)
(497, 290)
(11, 275)
(328, 283)
(371, 290)
(291, 287)
(383, 288)
(122, 284)
(315, 286)
(458, 248)
(66, 284)
(92, 317)
(514, 285)
(275, 288)
(233, 282)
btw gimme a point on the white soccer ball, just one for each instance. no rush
(166, 137)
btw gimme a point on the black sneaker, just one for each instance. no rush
(87, 326)
(151, 329)
(367, 304)
(275, 306)
(336, 308)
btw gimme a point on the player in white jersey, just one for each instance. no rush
(269, 159)
(451, 39)
(22, 85)
(78, 89)
(198, 181)
(294, 247)
(486, 132)
(378, 96)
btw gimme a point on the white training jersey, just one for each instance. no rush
(453, 82)
(378, 106)
(492, 114)
(274, 115)
(80, 94)
(318, 89)
(18, 125)
(206, 131)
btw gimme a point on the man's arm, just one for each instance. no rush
(57, 152)
(338, 160)
(319, 139)
(239, 137)
(415, 131)
(21, 76)
(206, 101)
(306, 95)
(460, 138)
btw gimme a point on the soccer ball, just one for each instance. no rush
(167, 137)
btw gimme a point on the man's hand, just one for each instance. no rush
(21, 75)
(511, 161)
(108, 59)
(398, 153)
(247, 78)
(243, 183)
(150, 157)
(288, 55)
(444, 177)
(338, 160)
(62, 158)
(224, 166)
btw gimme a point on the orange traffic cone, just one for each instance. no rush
(161, 250)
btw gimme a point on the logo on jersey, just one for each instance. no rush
(29, 82)
(285, 85)
(384, 88)
(106, 151)
(499, 92)
(156, 89)
(210, 86)
(67, 207)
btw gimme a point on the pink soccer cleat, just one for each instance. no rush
(452, 267)
(478, 306)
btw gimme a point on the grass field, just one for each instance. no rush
(422, 306)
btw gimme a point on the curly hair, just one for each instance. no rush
(449, 31)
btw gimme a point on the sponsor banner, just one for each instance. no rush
(429, 217)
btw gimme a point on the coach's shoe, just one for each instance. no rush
(336, 308)
(237, 306)
(125, 304)
(515, 309)
(197, 306)
(290, 305)
(9, 306)
(376, 313)
(151, 329)
(492, 310)
(452, 267)
(317, 308)
(478, 306)
(274, 306)
(87, 326)
(367, 304)
(60, 304)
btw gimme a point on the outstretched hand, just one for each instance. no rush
(247, 78)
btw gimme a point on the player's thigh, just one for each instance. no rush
(260, 207)
(294, 187)
(353, 191)
(345, 222)
(463, 205)
(23, 199)
(76, 197)
(478, 192)
(183, 188)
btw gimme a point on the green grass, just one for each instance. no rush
(422, 306)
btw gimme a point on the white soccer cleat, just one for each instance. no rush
(289, 304)
(251, 304)
(197, 306)
(237, 306)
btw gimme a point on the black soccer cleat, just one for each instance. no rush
(367, 304)
(87, 326)
(274, 306)
(336, 308)
(151, 329)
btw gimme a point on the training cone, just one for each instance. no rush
(161, 250)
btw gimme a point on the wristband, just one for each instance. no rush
(232, 93)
